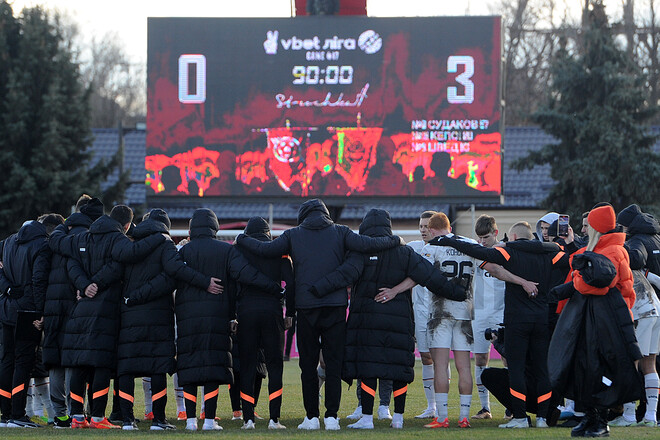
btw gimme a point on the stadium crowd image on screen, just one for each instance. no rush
(311, 106)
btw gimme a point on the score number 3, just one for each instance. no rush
(463, 79)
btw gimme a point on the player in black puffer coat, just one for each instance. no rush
(261, 325)
(146, 336)
(23, 282)
(380, 340)
(642, 238)
(204, 320)
(90, 337)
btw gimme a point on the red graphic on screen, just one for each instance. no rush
(410, 159)
(197, 165)
(481, 165)
(356, 154)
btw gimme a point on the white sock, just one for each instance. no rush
(146, 387)
(29, 406)
(629, 411)
(466, 402)
(427, 381)
(191, 423)
(178, 394)
(97, 419)
(397, 418)
(42, 392)
(651, 384)
(484, 395)
(441, 405)
(570, 405)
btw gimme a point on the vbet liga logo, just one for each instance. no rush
(369, 41)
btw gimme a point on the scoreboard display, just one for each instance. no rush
(324, 106)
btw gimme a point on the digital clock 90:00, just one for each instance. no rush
(327, 75)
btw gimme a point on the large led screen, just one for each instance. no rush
(324, 106)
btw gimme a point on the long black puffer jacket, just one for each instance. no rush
(24, 276)
(643, 243)
(317, 247)
(146, 337)
(380, 336)
(90, 336)
(60, 296)
(204, 343)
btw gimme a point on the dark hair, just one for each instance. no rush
(50, 221)
(82, 201)
(485, 225)
(599, 204)
(122, 213)
(427, 214)
(585, 214)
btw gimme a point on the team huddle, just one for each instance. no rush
(100, 299)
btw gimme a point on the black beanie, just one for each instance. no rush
(257, 225)
(628, 214)
(159, 215)
(93, 209)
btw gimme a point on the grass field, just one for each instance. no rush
(293, 413)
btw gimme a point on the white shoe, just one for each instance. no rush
(541, 423)
(397, 425)
(275, 425)
(191, 424)
(363, 423)
(331, 424)
(429, 413)
(356, 414)
(211, 425)
(384, 413)
(248, 425)
(310, 424)
(516, 423)
(621, 421)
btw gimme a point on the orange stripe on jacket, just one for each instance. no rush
(126, 396)
(400, 391)
(211, 394)
(190, 397)
(517, 395)
(275, 394)
(101, 393)
(18, 389)
(504, 253)
(157, 396)
(367, 389)
(247, 398)
(545, 397)
(558, 257)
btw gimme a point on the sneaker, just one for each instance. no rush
(211, 425)
(397, 425)
(3, 423)
(191, 425)
(516, 423)
(436, 424)
(103, 424)
(464, 423)
(541, 423)
(23, 422)
(39, 420)
(116, 418)
(149, 416)
(483, 414)
(646, 422)
(331, 424)
(356, 414)
(363, 423)
(181, 416)
(78, 424)
(565, 413)
(237, 415)
(162, 426)
(275, 425)
(508, 415)
(384, 413)
(130, 426)
(571, 422)
(257, 416)
(310, 424)
(62, 422)
(621, 421)
(248, 425)
(429, 413)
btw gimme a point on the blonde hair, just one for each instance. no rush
(594, 236)
(522, 230)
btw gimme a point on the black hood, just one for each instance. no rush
(149, 227)
(203, 223)
(376, 223)
(644, 223)
(104, 225)
(628, 214)
(93, 208)
(258, 228)
(78, 219)
(313, 214)
(31, 231)
(161, 216)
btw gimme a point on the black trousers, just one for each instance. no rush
(99, 386)
(158, 396)
(235, 391)
(261, 328)
(321, 329)
(18, 360)
(210, 394)
(368, 395)
(526, 346)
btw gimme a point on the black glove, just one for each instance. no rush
(562, 291)
(455, 291)
(464, 282)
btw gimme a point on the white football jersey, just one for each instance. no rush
(453, 264)
(487, 294)
(420, 296)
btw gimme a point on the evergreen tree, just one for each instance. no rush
(44, 121)
(596, 108)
